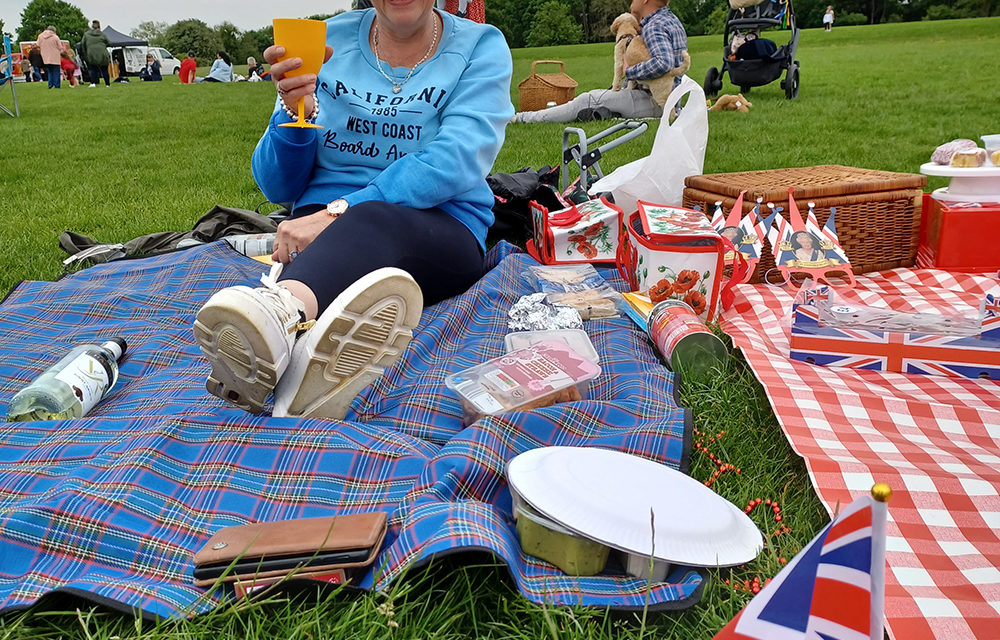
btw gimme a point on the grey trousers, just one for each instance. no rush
(627, 103)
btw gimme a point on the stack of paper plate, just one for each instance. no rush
(635, 505)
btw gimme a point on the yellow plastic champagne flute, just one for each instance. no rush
(304, 39)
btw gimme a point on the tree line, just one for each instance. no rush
(536, 23)
(525, 23)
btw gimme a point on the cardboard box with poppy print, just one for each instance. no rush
(674, 253)
(586, 232)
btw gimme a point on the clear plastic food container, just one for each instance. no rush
(540, 375)
(576, 339)
(545, 539)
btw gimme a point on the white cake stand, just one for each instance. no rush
(972, 184)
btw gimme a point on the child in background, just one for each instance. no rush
(69, 68)
(828, 19)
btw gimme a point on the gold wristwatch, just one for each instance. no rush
(337, 207)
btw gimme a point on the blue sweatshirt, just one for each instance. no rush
(430, 145)
(221, 71)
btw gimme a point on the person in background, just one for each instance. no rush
(70, 68)
(95, 49)
(255, 70)
(666, 40)
(151, 71)
(828, 19)
(27, 71)
(221, 71)
(474, 10)
(48, 43)
(461, 11)
(386, 218)
(37, 66)
(188, 67)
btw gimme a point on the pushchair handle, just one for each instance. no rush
(585, 157)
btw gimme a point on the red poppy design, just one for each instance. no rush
(661, 291)
(685, 280)
(696, 300)
(588, 250)
(593, 229)
(577, 238)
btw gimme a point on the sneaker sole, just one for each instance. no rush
(245, 367)
(364, 331)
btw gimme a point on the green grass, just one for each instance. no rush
(117, 163)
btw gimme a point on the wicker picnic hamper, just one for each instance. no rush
(539, 89)
(878, 212)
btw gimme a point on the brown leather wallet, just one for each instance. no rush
(276, 549)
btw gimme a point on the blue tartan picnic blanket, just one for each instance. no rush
(112, 506)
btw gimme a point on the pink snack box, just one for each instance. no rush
(536, 376)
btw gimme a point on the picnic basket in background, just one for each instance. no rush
(539, 89)
(878, 212)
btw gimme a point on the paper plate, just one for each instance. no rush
(607, 496)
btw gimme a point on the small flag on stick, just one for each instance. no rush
(834, 589)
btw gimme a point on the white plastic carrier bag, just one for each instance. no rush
(678, 152)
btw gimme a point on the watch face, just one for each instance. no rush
(337, 207)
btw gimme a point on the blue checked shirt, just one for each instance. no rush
(666, 40)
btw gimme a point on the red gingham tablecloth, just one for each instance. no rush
(935, 440)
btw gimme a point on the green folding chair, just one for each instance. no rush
(7, 77)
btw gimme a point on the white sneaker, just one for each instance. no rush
(92, 85)
(247, 334)
(361, 333)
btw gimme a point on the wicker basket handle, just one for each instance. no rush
(562, 65)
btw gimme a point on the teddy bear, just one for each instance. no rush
(631, 49)
(730, 103)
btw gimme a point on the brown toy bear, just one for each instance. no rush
(730, 103)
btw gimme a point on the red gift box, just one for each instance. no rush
(959, 236)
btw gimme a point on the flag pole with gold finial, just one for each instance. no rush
(881, 493)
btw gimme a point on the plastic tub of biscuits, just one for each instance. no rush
(540, 375)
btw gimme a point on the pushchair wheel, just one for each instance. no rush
(791, 82)
(744, 89)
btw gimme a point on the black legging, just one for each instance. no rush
(97, 72)
(439, 252)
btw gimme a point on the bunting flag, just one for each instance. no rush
(834, 589)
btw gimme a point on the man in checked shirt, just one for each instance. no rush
(666, 40)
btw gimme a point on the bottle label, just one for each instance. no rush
(88, 378)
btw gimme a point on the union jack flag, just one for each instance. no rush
(976, 356)
(834, 589)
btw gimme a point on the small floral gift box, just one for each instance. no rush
(586, 232)
(670, 252)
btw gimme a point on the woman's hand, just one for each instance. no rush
(295, 235)
(293, 87)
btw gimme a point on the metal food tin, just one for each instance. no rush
(684, 341)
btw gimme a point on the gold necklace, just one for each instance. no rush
(397, 86)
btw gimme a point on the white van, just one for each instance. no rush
(135, 60)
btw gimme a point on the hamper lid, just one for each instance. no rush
(809, 182)
(659, 221)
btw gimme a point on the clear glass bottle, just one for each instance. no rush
(71, 387)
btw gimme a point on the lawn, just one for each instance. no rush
(121, 162)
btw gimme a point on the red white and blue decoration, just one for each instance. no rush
(834, 589)
(747, 232)
(802, 247)
(914, 351)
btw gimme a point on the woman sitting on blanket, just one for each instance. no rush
(390, 206)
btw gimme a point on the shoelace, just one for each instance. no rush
(284, 298)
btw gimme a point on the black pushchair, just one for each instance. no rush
(753, 61)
